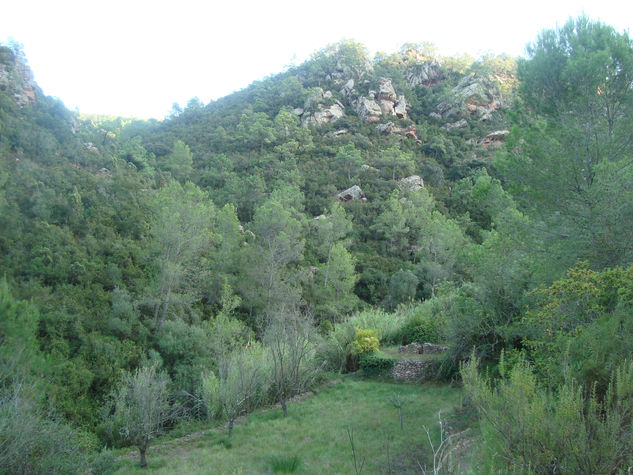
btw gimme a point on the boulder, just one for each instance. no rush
(340, 132)
(368, 110)
(353, 193)
(386, 92)
(494, 139)
(411, 132)
(324, 114)
(368, 168)
(386, 107)
(388, 128)
(348, 88)
(91, 147)
(400, 109)
(411, 183)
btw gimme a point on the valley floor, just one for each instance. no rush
(315, 437)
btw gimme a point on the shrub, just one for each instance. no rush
(333, 353)
(583, 319)
(373, 364)
(33, 443)
(365, 341)
(325, 327)
(527, 429)
(421, 326)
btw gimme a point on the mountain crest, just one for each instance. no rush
(16, 78)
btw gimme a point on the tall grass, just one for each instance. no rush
(282, 463)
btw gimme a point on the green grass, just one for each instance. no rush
(285, 463)
(314, 437)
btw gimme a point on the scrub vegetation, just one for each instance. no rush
(187, 273)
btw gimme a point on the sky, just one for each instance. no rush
(136, 58)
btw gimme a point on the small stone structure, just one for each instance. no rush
(412, 348)
(430, 348)
(422, 348)
(414, 370)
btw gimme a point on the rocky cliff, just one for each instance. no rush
(16, 78)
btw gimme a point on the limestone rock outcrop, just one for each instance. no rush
(494, 139)
(411, 183)
(425, 73)
(320, 108)
(372, 107)
(368, 110)
(16, 77)
(368, 168)
(324, 114)
(353, 193)
(400, 108)
(473, 95)
(389, 128)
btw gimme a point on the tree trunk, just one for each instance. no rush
(162, 285)
(165, 305)
(327, 267)
(231, 427)
(282, 401)
(142, 451)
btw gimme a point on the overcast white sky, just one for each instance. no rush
(138, 57)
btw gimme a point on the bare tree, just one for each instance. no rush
(290, 338)
(142, 407)
(238, 384)
(397, 402)
(359, 462)
(442, 452)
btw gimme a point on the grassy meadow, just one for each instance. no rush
(315, 437)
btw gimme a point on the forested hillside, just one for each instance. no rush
(485, 204)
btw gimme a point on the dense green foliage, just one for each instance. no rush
(178, 243)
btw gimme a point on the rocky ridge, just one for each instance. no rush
(16, 77)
